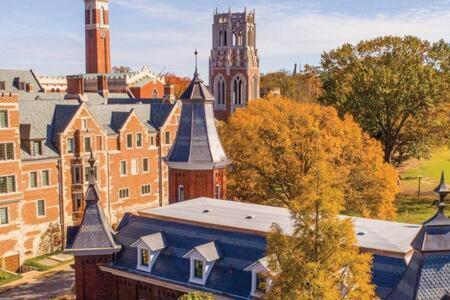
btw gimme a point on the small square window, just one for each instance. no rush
(3, 119)
(41, 208)
(4, 216)
(45, 178)
(129, 140)
(198, 269)
(33, 180)
(138, 139)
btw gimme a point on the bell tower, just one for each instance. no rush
(234, 63)
(98, 56)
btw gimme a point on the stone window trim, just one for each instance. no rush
(36, 147)
(13, 188)
(145, 165)
(139, 137)
(77, 177)
(4, 119)
(87, 144)
(33, 183)
(146, 189)
(167, 137)
(124, 193)
(84, 124)
(45, 178)
(70, 145)
(123, 168)
(7, 151)
(77, 202)
(129, 140)
(4, 216)
(40, 208)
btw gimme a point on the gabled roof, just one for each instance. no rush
(27, 76)
(263, 262)
(94, 235)
(208, 251)
(197, 145)
(153, 241)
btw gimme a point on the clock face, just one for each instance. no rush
(102, 34)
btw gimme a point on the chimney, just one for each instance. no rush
(102, 85)
(75, 86)
(29, 87)
(169, 92)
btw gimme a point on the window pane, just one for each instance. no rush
(167, 137)
(145, 165)
(198, 269)
(33, 179)
(144, 257)
(11, 184)
(2, 151)
(70, 145)
(3, 119)
(123, 168)
(41, 208)
(129, 140)
(10, 151)
(3, 188)
(76, 199)
(4, 218)
(139, 140)
(45, 178)
(36, 148)
(87, 144)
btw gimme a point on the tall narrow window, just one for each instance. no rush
(220, 38)
(6, 151)
(45, 178)
(138, 139)
(33, 180)
(167, 137)
(198, 269)
(180, 193)
(40, 208)
(134, 166)
(70, 145)
(87, 144)
(145, 257)
(4, 216)
(76, 176)
(219, 92)
(99, 143)
(145, 166)
(217, 191)
(102, 16)
(255, 88)
(3, 119)
(225, 38)
(77, 202)
(84, 124)
(129, 140)
(36, 148)
(123, 167)
(238, 91)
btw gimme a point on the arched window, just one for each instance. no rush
(234, 41)
(225, 38)
(255, 88)
(180, 193)
(238, 91)
(155, 94)
(220, 38)
(58, 90)
(240, 38)
(52, 90)
(219, 90)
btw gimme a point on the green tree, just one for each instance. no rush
(273, 144)
(197, 296)
(395, 87)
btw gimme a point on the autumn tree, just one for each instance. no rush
(395, 87)
(319, 258)
(180, 83)
(197, 296)
(305, 86)
(273, 144)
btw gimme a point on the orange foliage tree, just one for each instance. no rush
(275, 143)
(180, 83)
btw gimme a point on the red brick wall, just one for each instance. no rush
(146, 91)
(90, 282)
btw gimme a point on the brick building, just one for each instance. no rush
(44, 151)
(234, 63)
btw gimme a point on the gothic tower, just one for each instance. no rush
(234, 62)
(98, 57)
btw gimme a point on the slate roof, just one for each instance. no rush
(27, 76)
(233, 252)
(197, 141)
(154, 242)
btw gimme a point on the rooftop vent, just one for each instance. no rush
(207, 210)
(361, 233)
(249, 217)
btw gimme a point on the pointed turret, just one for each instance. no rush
(94, 235)
(428, 273)
(197, 162)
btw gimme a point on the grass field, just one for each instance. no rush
(412, 209)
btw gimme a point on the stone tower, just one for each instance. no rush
(197, 162)
(234, 62)
(98, 56)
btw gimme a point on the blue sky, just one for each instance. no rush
(48, 36)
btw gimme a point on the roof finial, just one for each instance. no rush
(442, 189)
(91, 162)
(196, 62)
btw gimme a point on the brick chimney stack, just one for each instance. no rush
(75, 85)
(102, 85)
(169, 92)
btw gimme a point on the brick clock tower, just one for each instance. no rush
(234, 63)
(197, 162)
(98, 56)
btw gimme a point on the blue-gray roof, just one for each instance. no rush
(237, 252)
(11, 77)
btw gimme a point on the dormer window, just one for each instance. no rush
(36, 148)
(260, 277)
(148, 249)
(202, 259)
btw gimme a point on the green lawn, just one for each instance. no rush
(413, 210)
(34, 262)
(6, 277)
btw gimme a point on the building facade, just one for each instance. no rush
(44, 151)
(234, 63)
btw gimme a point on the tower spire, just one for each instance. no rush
(442, 189)
(91, 162)
(196, 63)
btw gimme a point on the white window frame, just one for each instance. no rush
(70, 141)
(134, 166)
(120, 168)
(255, 291)
(42, 176)
(207, 267)
(149, 189)
(15, 183)
(128, 193)
(7, 119)
(29, 180)
(126, 141)
(84, 123)
(7, 216)
(142, 140)
(152, 256)
(90, 144)
(37, 208)
(4, 144)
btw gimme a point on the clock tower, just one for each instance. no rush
(98, 56)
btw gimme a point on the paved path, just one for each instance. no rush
(43, 285)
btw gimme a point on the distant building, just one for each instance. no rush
(234, 74)
(53, 84)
